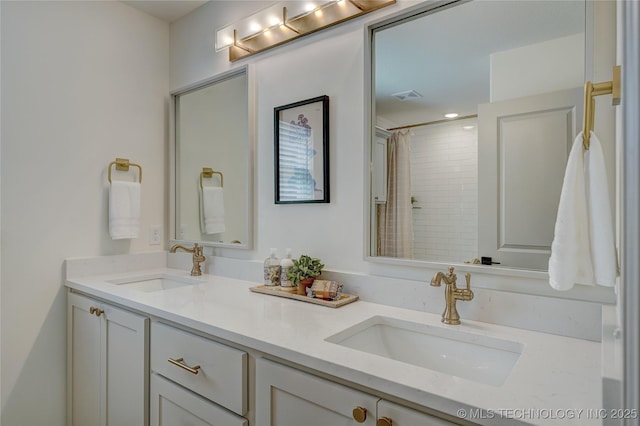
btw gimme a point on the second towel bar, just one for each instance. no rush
(208, 172)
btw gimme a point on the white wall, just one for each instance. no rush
(332, 62)
(532, 75)
(82, 84)
(327, 63)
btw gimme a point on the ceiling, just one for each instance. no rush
(166, 10)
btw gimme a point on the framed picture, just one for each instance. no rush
(302, 152)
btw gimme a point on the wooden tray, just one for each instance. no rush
(344, 299)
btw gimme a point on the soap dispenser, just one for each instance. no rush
(272, 269)
(285, 282)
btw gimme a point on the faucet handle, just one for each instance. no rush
(452, 276)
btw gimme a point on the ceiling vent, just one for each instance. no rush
(407, 95)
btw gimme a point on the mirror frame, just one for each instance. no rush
(503, 279)
(173, 157)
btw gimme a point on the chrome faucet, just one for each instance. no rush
(198, 257)
(452, 294)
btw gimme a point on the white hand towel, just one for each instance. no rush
(212, 210)
(124, 210)
(583, 225)
(603, 251)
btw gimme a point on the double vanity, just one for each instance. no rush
(150, 344)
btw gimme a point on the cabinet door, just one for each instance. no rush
(173, 405)
(397, 415)
(126, 373)
(107, 364)
(84, 336)
(288, 397)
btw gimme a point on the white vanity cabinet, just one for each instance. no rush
(208, 383)
(125, 369)
(107, 364)
(289, 397)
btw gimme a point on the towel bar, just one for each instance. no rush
(123, 164)
(592, 90)
(208, 172)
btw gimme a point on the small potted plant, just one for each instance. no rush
(304, 271)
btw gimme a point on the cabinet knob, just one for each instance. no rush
(95, 311)
(360, 414)
(385, 421)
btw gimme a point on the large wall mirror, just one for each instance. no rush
(212, 162)
(475, 106)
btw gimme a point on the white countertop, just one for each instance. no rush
(556, 380)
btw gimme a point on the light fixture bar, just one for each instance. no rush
(286, 23)
(357, 4)
(264, 30)
(238, 45)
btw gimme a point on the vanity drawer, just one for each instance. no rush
(213, 370)
(173, 405)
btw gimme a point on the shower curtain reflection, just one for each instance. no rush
(395, 216)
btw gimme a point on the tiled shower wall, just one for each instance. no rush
(444, 181)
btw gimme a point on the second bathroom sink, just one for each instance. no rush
(476, 357)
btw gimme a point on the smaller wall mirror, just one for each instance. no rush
(212, 162)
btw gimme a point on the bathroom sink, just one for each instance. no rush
(155, 282)
(458, 353)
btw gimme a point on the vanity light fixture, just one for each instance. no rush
(451, 115)
(286, 21)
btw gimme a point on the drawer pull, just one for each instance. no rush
(385, 421)
(180, 363)
(96, 311)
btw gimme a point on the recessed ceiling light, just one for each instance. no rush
(451, 115)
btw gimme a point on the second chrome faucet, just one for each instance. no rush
(452, 294)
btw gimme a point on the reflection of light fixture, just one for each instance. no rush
(288, 20)
(451, 115)
(468, 127)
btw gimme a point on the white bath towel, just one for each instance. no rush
(124, 210)
(583, 250)
(212, 210)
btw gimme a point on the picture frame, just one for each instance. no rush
(301, 142)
